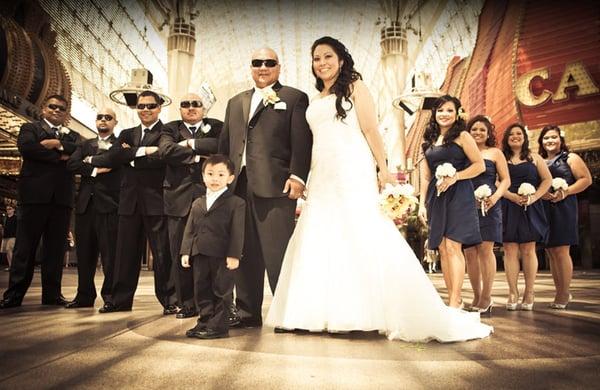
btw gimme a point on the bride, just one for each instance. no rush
(346, 266)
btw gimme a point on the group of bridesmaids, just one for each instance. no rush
(525, 205)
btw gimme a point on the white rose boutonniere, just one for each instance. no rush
(526, 189)
(269, 96)
(205, 128)
(64, 130)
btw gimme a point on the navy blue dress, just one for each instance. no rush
(520, 225)
(453, 214)
(490, 225)
(562, 216)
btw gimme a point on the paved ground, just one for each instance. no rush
(46, 347)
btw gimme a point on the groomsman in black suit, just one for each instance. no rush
(266, 135)
(46, 190)
(182, 145)
(141, 208)
(96, 216)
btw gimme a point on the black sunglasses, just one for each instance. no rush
(108, 118)
(150, 106)
(267, 63)
(57, 107)
(191, 103)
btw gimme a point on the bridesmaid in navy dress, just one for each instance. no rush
(561, 208)
(523, 219)
(448, 207)
(481, 262)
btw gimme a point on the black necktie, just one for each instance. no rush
(56, 132)
(193, 130)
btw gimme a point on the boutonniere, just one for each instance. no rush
(280, 106)
(205, 128)
(269, 96)
(64, 130)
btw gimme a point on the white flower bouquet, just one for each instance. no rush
(559, 184)
(442, 171)
(481, 194)
(397, 200)
(526, 189)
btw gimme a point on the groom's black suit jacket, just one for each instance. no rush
(278, 141)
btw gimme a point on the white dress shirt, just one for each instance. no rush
(105, 139)
(56, 130)
(212, 196)
(142, 149)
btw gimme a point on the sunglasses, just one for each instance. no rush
(267, 63)
(57, 107)
(191, 103)
(108, 118)
(150, 106)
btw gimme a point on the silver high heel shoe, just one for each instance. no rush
(512, 306)
(527, 306)
(561, 306)
(486, 310)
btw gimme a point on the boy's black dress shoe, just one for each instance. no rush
(170, 309)
(75, 304)
(208, 334)
(186, 312)
(60, 301)
(9, 303)
(111, 308)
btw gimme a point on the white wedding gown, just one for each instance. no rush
(346, 266)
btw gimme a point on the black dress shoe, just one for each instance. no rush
(60, 301)
(8, 303)
(283, 330)
(194, 330)
(208, 334)
(170, 309)
(74, 304)
(111, 308)
(248, 322)
(186, 312)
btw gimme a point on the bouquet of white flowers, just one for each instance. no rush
(442, 171)
(397, 200)
(481, 194)
(526, 189)
(559, 184)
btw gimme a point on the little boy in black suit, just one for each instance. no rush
(212, 245)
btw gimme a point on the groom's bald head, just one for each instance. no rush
(263, 71)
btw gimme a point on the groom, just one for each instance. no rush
(266, 135)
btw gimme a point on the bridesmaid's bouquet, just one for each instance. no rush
(442, 171)
(559, 184)
(481, 194)
(397, 200)
(526, 189)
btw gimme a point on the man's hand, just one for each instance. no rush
(185, 261)
(50, 143)
(186, 143)
(293, 188)
(125, 145)
(103, 170)
(232, 263)
(64, 157)
(151, 150)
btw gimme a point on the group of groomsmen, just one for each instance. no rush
(141, 185)
(133, 188)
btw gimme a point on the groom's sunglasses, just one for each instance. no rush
(191, 103)
(267, 63)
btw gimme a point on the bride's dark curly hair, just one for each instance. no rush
(347, 75)
(432, 132)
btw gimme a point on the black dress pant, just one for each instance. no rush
(213, 286)
(183, 278)
(95, 234)
(269, 226)
(50, 221)
(133, 230)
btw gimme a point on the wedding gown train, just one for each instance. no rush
(346, 266)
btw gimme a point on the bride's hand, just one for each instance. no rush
(384, 177)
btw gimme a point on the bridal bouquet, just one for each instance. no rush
(442, 171)
(481, 194)
(526, 189)
(397, 200)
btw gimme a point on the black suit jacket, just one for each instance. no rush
(183, 177)
(278, 141)
(44, 177)
(218, 232)
(104, 187)
(141, 184)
